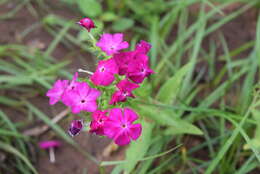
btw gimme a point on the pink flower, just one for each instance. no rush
(82, 98)
(122, 60)
(73, 83)
(126, 60)
(125, 90)
(75, 127)
(87, 23)
(112, 43)
(97, 123)
(119, 126)
(143, 47)
(138, 70)
(56, 92)
(104, 74)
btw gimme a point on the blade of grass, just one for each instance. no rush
(10, 149)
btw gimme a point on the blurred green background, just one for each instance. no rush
(200, 111)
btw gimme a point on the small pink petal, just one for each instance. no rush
(135, 131)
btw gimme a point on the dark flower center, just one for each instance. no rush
(102, 69)
(125, 93)
(123, 125)
(83, 101)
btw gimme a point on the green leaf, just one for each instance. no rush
(166, 117)
(138, 149)
(123, 24)
(108, 16)
(169, 91)
(10, 149)
(144, 90)
(90, 8)
(183, 127)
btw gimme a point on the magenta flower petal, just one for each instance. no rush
(56, 92)
(97, 123)
(136, 130)
(122, 60)
(87, 23)
(82, 98)
(139, 70)
(130, 115)
(122, 139)
(90, 107)
(125, 88)
(112, 43)
(143, 47)
(104, 74)
(117, 97)
(49, 144)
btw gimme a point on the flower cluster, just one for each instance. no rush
(121, 71)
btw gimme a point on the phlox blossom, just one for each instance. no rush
(125, 88)
(120, 127)
(112, 43)
(57, 91)
(97, 123)
(138, 70)
(82, 98)
(104, 74)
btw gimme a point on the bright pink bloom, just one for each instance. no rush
(87, 23)
(122, 60)
(97, 123)
(73, 83)
(76, 127)
(125, 88)
(56, 92)
(138, 70)
(49, 144)
(125, 60)
(120, 127)
(143, 47)
(82, 98)
(104, 74)
(112, 43)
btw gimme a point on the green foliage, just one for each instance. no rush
(122, 24)
(90, 8)
(203, 94)
(169, 90)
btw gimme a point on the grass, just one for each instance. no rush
(204, 96)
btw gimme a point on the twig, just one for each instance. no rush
(85, 71)
(39, 130)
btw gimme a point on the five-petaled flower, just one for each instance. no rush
(104, 74)
(120, 127)
(112, 43)
(82, 98)
(97, 123)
